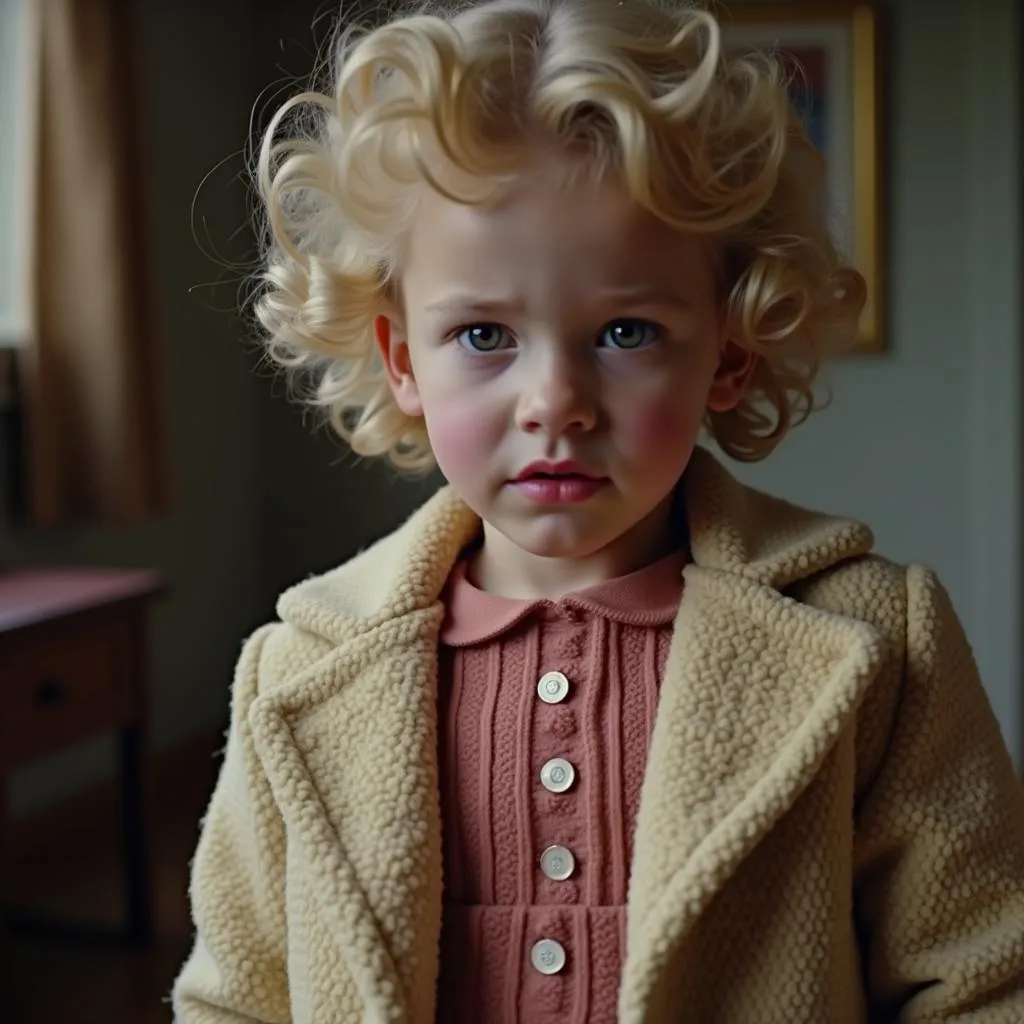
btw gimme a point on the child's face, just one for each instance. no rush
(562, 325)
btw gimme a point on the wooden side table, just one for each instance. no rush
(72, 665)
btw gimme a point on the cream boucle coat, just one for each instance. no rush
(829, 829)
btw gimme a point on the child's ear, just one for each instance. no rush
(735, 368)
(393, 344)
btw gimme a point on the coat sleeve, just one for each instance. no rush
(236, 971)
(940, 847)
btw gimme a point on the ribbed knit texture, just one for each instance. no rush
(495, 734)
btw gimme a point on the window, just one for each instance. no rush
(14, 164)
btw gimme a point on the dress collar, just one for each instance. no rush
(647, 597)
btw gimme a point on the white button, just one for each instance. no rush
(557, 775)
(558, 863)
(548, 956)
(553, 688)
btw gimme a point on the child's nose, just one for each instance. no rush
(557, 401)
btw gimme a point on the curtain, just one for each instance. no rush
(89, 374)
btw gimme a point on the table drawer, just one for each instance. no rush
(60, 685)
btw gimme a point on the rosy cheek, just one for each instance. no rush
(460, 445)
(656, 429)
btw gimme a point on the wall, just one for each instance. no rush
(12, 73)
(196, 98)
(924, 443)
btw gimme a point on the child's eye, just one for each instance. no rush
(629, 334)
(482, 337)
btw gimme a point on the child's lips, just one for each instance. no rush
(566, 469)
(558, 488)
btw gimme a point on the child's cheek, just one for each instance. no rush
(459, 441)
(658, 430)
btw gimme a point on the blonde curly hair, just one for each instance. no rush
(706, 140)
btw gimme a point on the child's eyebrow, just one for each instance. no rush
(643, 295)
(472, 304)
(646, 295)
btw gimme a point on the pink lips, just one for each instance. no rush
(558, 483)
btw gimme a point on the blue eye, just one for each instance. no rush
(481, 337)
(629, 334)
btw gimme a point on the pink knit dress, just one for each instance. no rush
(545, 716)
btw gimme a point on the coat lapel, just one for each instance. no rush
(741, 730)
(349, 749)
(757, 688)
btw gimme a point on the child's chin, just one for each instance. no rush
(557, 539)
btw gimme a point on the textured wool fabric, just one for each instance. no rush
(610, 642)
(829, 826)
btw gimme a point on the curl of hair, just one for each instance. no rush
(449, 96)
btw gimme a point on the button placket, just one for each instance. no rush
(558, 775)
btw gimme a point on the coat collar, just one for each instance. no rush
(731, 528)
(741, 730)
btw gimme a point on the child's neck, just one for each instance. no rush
(501, 567)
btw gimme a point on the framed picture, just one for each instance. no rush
(833, 47)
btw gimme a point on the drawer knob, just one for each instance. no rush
(50, 692)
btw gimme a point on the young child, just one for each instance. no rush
(599, 734)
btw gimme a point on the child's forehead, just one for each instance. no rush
(592, 233)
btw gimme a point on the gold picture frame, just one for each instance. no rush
(843, 95)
